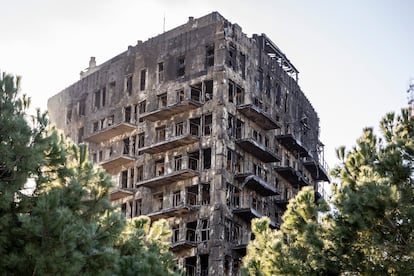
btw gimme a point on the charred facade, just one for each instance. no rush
(202, 126)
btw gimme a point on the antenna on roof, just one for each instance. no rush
(163, 25)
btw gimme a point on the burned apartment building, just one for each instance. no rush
(203, 126)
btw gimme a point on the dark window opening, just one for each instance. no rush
(191, 231)
(129, 85)
(208, 125)
(126, 146)
(180, 66)
(195, 126)
(208, 90)
(140, 173)
(160, 72)
(180, 95)
(231, 56)
(142, 109)
(278, 94)
(160, 134)
(179, 129)
(190, 266)
(128, 114)
(80, 134)
(162, 100)
(204, 265)
(209, 55)
(159, 167)
(124, 179)
(82, 107)
(231, 91)
(95, 127)
(193, 158)
(178, 162)
(205, 194)
(158, 202)
(243, 65)
(207, 158)
(124, 209)
(69, 114)
(176, 198)
(196, 92)
(138, 207)
(141, 141)
(143, 79)
(192, 193)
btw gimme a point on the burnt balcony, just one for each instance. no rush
(318, 170)
(292, 144)
(292, 173)
(118, 193)
(258, 116)
(117, 161)
(256, 145)
(240, 243)
(166, 112)
(109, 132)
(186, 134)
(257, 179)
(282, 202)
(248, 207)
(163, 173)
(176, 207)
(183, 238)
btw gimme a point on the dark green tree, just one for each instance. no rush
(64, 224)
(369, 229)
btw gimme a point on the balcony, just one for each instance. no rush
(117, 162)
(118, 193)
(253, 144)
(317, 169)
(110, 132)
(167, 112)
(282, 202)
(241, 243)
(186, 136)
(291, 172)
(258, 116)
(292, 144)
(178, 206)
(183, 238)
(255, 178)
(180, 168)
(250, 207)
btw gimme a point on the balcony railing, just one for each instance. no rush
(168, 111)
(258, 116)
(293, 144)
(188, 134)
(317, 168)
(258, 147)
(180, 168)
(293, 172)
(120, 193)
(256, 178)
(177, 206)
(249, 207)
(110, 132)
(183, 238)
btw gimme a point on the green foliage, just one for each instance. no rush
(369, 229)
(64, 224)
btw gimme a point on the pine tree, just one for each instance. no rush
(369, 228)
(65, 224)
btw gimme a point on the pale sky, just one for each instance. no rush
(355, 57)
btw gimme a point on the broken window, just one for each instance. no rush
(162, 100)
(160, 72)
(180, 95)
(193, 158)
(204, 265)
(94, 157)
(95, 127)
(175, 234)
(176, 198)
(205, 230)
(239, 95)
(141, 141)
(210, 55)
(160, 134)
(81, 131)
(112, 86)
(100, 155)
(268, 86)
(157, 204)
(191, 231)
(110, 120)
(125, 146)
(259, 83)
(192, 193)
(138, 207)
(142, 79)
(207, 158)
(159, 167)
(278, 94)
(128, 85)
(124, 209)
(190, 266)
(196, 92)
(208, 90)
(208, 124)
(128, 114)
(195, 126)
(205, 193)
(232, 196)
(82, 107)
(242, 58)
(178, 162)
(68, 114)
(140, 173)
(231, 91)
(180, 66)
(124, 179)
(142, 109)
(231, 56)
(179, 129)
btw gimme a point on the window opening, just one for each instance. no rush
(208, 122)
(160, 72)
(180, 66)
(209, 55)
(207, 158)
(159, 167)
(208, 90)
(142, 79)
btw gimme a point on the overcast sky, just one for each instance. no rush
(355, 57)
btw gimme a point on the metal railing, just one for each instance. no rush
(177, 164)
